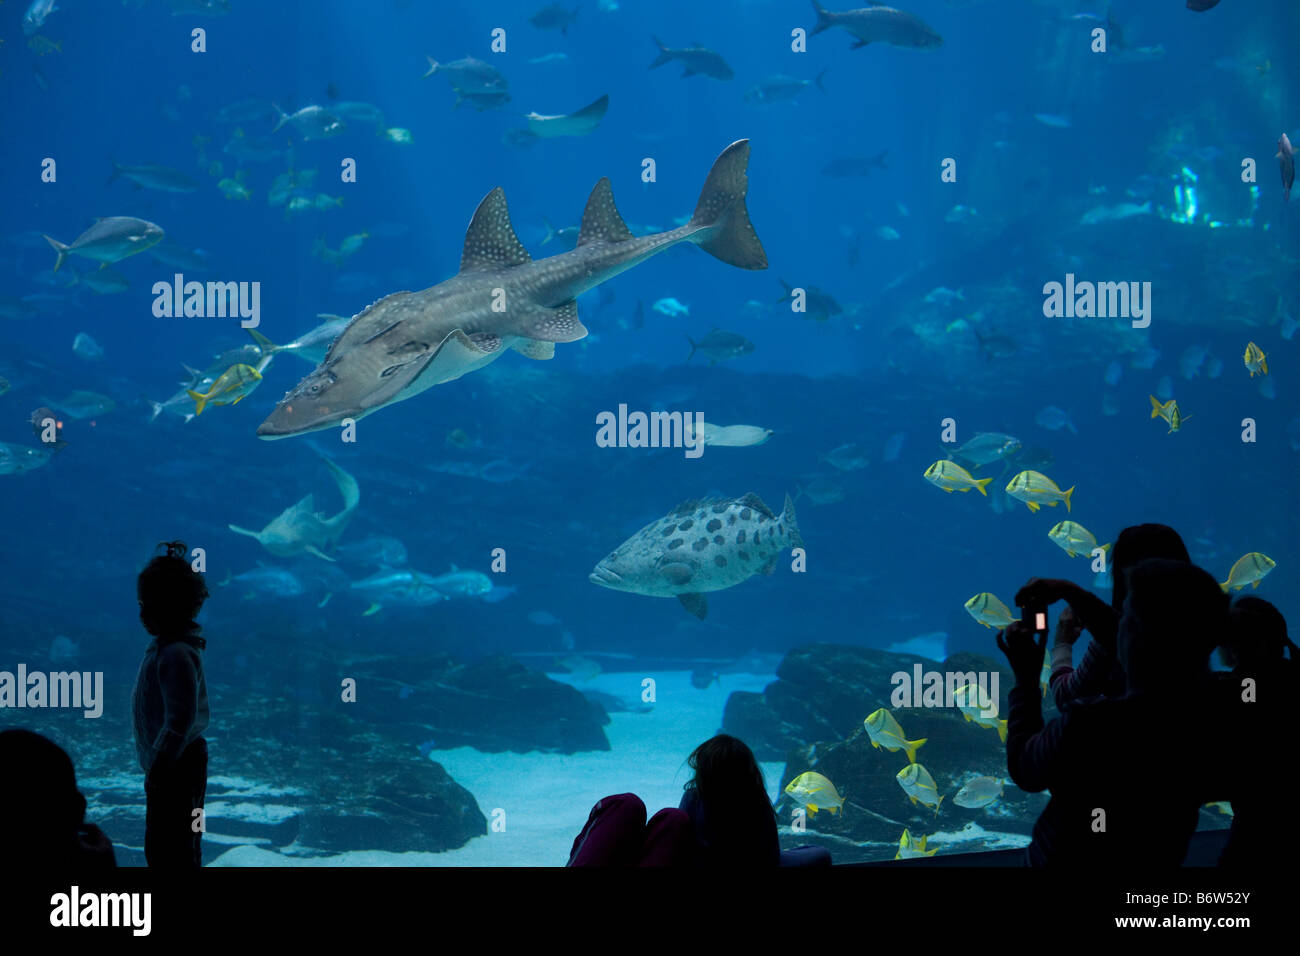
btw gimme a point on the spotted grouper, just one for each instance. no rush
(700, 546)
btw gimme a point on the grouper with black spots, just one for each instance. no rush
(700, 546)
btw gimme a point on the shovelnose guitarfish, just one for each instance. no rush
(502, 299)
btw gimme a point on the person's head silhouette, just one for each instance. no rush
(40, 806)
(171, 593)
(1138, 543)
(1256, 636)
(727, 777)
(1174, 615)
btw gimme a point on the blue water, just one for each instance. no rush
(895, 557)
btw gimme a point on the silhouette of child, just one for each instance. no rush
(170, 703)
(735, 825)
(725, 820)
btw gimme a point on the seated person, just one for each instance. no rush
(725, 820)
(42, 813)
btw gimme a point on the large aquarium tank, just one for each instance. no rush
(544, 388)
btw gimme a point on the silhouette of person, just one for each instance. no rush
(42, 813)
(170, 703)
(1258, 702)
(734, 821)
(1099, 673)
(725, 820)
(1127, 774)
(1256, 643)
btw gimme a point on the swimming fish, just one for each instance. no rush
(1054, 419)
(378, 550)
(780, 87)
(942, 295)
(234, 188)
(978, 793)
(83, 346)
(988, 447)
(109, 240)
(910, 848)
(989, 611)
(554, 17)
(162, 178)
(818, 304)
(82, 404)
(301, 528)
(104, 281)
(849, 457)
(1256, 360)
(814, 792)
(700, 546)
(1250, 569)
(884, 731)
(397, 586)
(1286, 159)
(820, 490)
(694, 59)
(271, 581)
(1124, 210)
(719, 345)
(311, 122)
(578, 123)
(951, 477)
(728, 436)
(919, 785)
(36, 14)
(1036, 489)
(231, 387)
(462, 584)
(408, 342)
(1170, 412)
(16, 459)
(702, 678)
(579, 667)
(1074, 539)
(669, 307)
(469, 76)
(878, 24)
(976, 706)
(310, 346)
